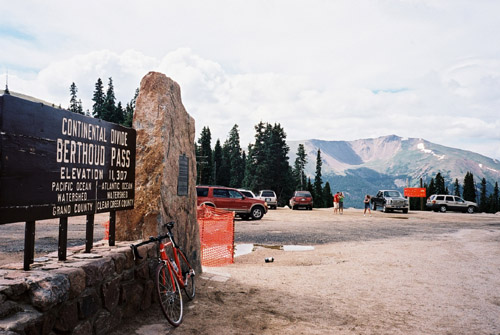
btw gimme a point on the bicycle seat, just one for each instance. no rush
(170, 224)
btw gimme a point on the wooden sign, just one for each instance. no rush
(55, 163)
(415, 192)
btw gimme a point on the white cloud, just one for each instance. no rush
(338, 70)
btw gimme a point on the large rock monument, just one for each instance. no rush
(165, 180)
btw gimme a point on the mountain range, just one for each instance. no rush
(391, 162)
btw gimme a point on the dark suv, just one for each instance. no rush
(443, 203)
(232, 200)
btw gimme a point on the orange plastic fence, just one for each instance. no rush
(106, 230)
(216, 236)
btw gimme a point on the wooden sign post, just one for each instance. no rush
(414, 192)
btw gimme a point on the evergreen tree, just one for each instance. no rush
(318, 183)
(431, 189)
(280, 174)
(267, 165)
(98, 98)
(439, 184)
(75, 105)
(495, 200)
(119, 115)
(310, 188)
(110, 111)
(204, 157)
(225, 168)
(217, 160)
(456, 188)
(469, 191)
(483, 200)
(236, 164)
(130, 109)
(299, 168)
(327, 195)
(257, 164)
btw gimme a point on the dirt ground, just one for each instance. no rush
(416, 273)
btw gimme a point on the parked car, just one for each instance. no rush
(301, 199)
(269, 197)
(232, 200)
(247, 193)
(390, 200)
(443, 203)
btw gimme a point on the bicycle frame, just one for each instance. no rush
(164, 258)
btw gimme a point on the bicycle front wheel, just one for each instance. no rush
(169, 294)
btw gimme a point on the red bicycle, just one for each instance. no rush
(171, 275)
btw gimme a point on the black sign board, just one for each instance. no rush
(183, 177)
(55, 163)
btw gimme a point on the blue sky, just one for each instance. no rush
(331, 70)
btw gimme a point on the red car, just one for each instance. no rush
(232, 200)
(301, 199)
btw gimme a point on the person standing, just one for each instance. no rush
(336, 203)
(341, 203)
(367, 205)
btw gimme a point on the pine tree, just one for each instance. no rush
(327, 195)
(439, 184)
(299, 168)
(224, 169)
(98, 98)
(110, 112)
(280, 173)
(469, 191)
(257, 165)
(456, 188)
(483, 200)
(236, 164)
(119, 114)
(217, 160)
(204, 157)
(75, 105)
(431, 189)
(310, 188)
(318, 183)
(495, 200)
(267, 165)
(130, 109)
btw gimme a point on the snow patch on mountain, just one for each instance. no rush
(421, 147)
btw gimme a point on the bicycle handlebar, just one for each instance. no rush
(152, 239)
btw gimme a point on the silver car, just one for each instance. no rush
(444, 202)
(269, 197)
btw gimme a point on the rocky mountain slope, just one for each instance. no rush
(364, 166)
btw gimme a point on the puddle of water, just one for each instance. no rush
(243, 249)
(275, 247)
(297, 247)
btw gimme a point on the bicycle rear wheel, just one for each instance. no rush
(169, 294)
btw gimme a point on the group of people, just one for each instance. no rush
(338, 204)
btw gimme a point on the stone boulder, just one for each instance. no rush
(165, 133)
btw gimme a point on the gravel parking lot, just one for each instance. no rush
(416, 273)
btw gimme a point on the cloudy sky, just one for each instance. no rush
(324, 69)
